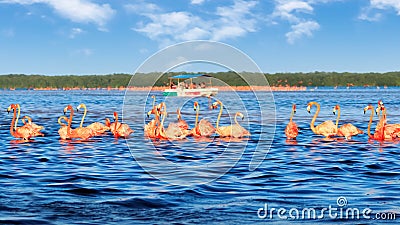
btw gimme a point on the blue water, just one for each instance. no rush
(49, 181)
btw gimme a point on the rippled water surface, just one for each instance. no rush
(49, 181)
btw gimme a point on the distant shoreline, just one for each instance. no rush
(220, 88)
(277, 81)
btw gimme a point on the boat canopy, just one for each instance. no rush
(187, 76)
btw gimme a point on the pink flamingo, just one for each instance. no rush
(291, 130)
(327, 128)
(173, 131)
(151, 128)
(119, 129)
(203, 128)
(182, 123)
(234, 130)
(83, 133)
(347, 130)
(35, 128)
(390, 131)
(97, 127)
(23, 132)
(63, 131)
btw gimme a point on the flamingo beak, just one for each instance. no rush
(365, 109)
(8, 109)
(308, 109)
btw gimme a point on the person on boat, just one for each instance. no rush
(202, 85)
(172, 85)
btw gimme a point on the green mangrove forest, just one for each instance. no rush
(21, 81)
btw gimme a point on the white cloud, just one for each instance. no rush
(386, 4)
(371, 13)
(168, 27)
(196, 2)
(296, 12)
(74, 32)
(286, 9)
(302, 29)
(80, 11)
(142, 7)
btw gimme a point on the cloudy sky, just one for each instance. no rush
(100, 37)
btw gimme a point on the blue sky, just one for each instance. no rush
(56, 37)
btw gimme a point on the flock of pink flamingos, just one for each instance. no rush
(203, 128)
(383, 131)
(154, 129)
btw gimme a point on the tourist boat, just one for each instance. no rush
(185, 87)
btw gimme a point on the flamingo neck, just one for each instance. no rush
(179, 115)
(84, 114)
(161, 127)
(23, 119)
(71, 114)
(16, 121)
(291, 115)
(59, 120)
(219, 114)
(337, 119)
(370, 122)
(116, 121)
(13, 123)
(236, 119)
(197, 116)
(312, 126)
(27, 118)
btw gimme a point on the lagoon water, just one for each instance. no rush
(49, 181)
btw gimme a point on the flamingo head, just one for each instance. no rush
(369, 107)
(294, 108)
(149, 113)
(309, 108)
(108, 123)
(240, 114)
(115, 116)
(214, 105)
(12, 106)
(69, 107)
(337, 107)
(178, 112)
(380, 103)
(195, 106)
(80, 106)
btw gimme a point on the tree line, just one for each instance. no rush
(21, 81)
